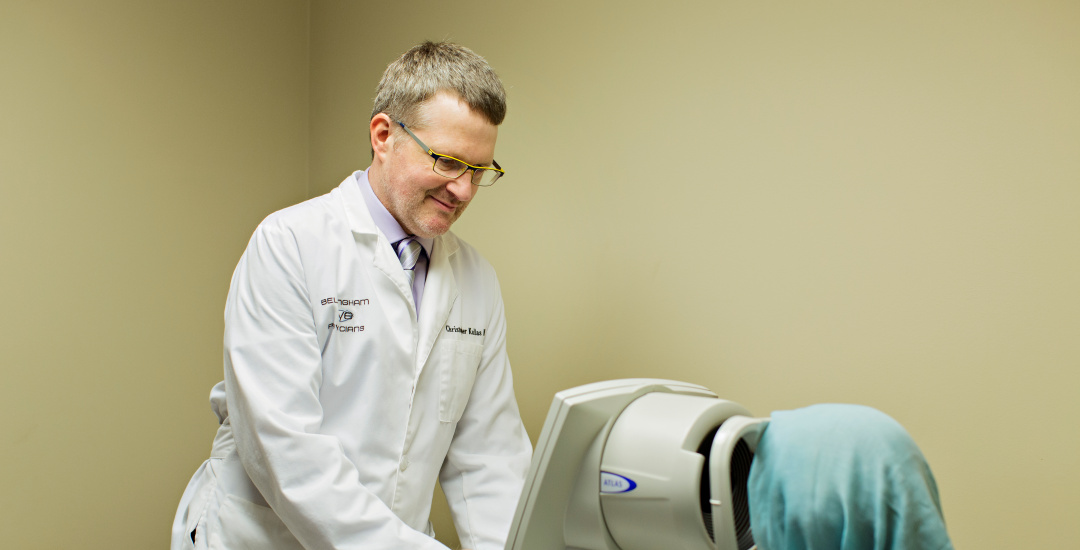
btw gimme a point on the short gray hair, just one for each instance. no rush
(432, 67)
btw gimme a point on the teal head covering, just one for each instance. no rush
(842, 477)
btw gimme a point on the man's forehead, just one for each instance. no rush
(449, 127)
(442, 104)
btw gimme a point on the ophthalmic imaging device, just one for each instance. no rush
(639, 464)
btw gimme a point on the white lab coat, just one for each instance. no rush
(339, 408)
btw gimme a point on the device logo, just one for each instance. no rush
(614, 483)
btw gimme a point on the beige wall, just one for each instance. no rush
(787, 202)
(140, 142)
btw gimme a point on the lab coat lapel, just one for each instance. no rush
(399, 313)
(440, 293)
(368, 235)
(386, 261)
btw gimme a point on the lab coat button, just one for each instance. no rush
(404, 463)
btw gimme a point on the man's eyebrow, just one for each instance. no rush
(480, 164)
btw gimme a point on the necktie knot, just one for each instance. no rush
(409, 251)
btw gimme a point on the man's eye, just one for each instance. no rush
(449, 166)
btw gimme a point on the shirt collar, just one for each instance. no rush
(382, 217)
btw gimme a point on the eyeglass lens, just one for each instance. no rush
(452, 168)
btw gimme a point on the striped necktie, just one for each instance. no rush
(409, 251)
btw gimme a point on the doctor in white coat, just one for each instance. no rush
(351, 384)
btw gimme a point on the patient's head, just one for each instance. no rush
(842, 477)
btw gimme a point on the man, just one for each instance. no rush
(365, 351)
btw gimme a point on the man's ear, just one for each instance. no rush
(381, 136)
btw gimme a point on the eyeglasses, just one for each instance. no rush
(450, 167)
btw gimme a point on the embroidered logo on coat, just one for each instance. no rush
(345, 315)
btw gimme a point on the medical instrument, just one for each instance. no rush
(639, 464)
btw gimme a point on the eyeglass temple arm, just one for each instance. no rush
(412, 135)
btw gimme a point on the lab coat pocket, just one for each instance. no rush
(247, 525)
(456, 378)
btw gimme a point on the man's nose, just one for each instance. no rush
(462, 187)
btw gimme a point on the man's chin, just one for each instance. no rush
(431, 228)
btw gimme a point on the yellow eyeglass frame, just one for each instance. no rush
(479, 172)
